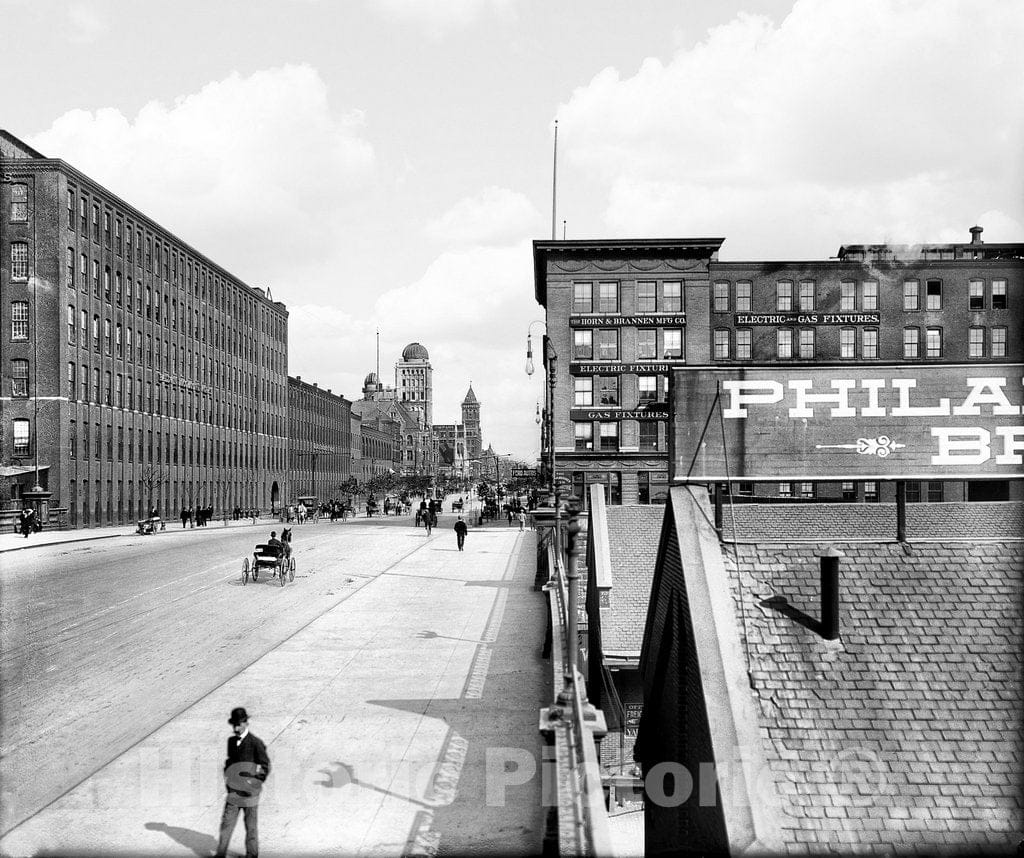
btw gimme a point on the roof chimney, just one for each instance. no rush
(976, 232)
(829, 564)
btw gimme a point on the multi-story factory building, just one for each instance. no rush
(136, 372)
(319, 441)
(622, 315)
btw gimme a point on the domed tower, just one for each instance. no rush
(414, 381)
(471, 422)
(371, 386)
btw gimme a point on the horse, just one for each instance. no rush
(286, 540)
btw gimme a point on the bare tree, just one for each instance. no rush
(194, 490)
(154, 476)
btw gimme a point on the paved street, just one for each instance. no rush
(389, 680)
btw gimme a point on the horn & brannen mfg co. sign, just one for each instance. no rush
(839, 423)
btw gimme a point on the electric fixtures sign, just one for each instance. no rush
(877, 422)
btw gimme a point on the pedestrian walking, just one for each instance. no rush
(27, 520)
(429, 520)
(521, 518)
(460, 532)
(245, 769)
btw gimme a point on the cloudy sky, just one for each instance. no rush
(384, 164)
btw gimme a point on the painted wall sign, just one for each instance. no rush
(656, 413)
(884, 422)
(607, 321)
(608, 368)
(807, 319)
(633, 712)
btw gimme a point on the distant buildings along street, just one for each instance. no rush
(138, 373)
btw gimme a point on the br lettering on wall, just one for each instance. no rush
(879, 422)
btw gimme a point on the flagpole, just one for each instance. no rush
(554, 185)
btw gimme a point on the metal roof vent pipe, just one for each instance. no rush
(830, 593)
(976, 232)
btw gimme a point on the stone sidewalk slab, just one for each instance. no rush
(389, 722)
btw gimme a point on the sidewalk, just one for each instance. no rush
(404, 720)
(51, 536)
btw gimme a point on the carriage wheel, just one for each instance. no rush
(282, 574)
(245, 571)
(291, 569)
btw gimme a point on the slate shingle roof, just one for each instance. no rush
(633, 533)
(905, 733)
(873, 521)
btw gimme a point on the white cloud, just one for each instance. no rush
(848, 122)
(241, 169)
(440, 16)
(492, 216)
(474, 307)
(85, 24)
(471, 310)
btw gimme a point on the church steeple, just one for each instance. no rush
(471, 422)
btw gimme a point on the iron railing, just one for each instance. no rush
(571, 724)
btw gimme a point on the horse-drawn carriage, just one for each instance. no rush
(277, 558)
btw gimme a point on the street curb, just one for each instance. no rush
(62, 542)
(97, 537)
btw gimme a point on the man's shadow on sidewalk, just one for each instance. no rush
(199, 843)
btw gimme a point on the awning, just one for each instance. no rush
(12, 471)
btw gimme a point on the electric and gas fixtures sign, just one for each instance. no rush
(886, 422)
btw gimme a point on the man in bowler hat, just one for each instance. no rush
(245, 769)
(460, 532)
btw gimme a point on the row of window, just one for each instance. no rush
(608, 435)
(861, 343)
(652, 486)
(855, 296)
(118, 341)
(166, 448)
(117, 237)
(162, 259)
(124, 391)
(651, 297)
(932, 490)
(114, 289)
(603, 343)
(603, 390)
(666, 297)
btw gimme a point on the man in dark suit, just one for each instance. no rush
(460, 532)
(245, 769)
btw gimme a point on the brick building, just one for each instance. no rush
(459, 446)
(409, 448)
(450, 449)
(136, 372)
(319, 440)
(622, 315)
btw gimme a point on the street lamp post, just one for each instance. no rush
(550, 365)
